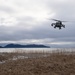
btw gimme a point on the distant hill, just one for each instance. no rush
(25, 46)
(1, 47)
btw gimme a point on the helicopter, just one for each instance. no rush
(58, 23)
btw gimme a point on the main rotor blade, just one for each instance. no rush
(64, 21)
(55, 20)
(58, 20)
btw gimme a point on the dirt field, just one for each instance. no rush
(37, 64)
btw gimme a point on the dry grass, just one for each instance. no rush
(58, 63)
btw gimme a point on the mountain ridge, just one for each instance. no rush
(24, 46)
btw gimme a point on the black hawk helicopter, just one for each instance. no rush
(58, 23)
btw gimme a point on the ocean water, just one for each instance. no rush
(36, 49)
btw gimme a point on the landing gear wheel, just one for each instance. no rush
(59, 27)
(51, 24)
(54, 26)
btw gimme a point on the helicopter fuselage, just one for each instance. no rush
(58, 24)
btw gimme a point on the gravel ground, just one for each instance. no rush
(37, 64)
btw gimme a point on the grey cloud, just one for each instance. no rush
(6, 9)
(25, 29)
(64, 9)
(38, 32)
(25, 18)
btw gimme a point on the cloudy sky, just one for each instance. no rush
(27, 22)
